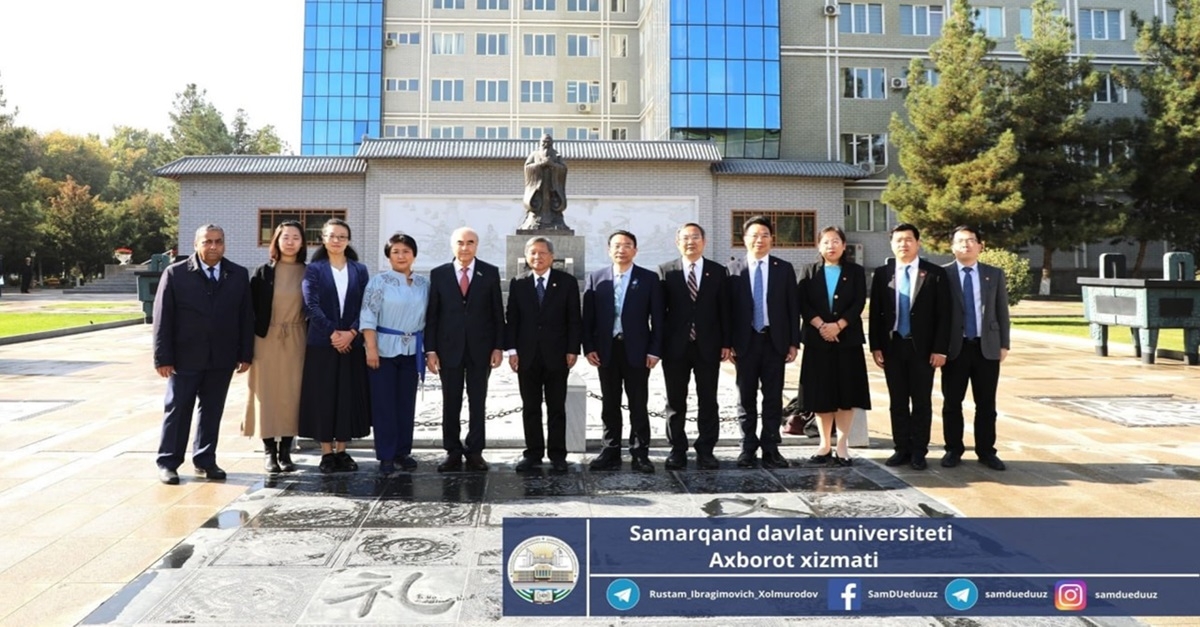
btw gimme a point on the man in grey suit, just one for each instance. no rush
(979, 340)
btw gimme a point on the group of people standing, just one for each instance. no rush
(337, 353)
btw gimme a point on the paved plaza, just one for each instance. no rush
(93, 537)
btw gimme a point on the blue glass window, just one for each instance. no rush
(343, 80)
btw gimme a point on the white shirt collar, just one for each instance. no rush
(458, 267)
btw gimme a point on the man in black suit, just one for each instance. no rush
(979, 340)
(909, 337)
(464, 338)
(203, 331)
(765, 334)
(622, 336)
(542, 339)
(695, 339)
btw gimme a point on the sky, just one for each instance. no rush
(85, 66)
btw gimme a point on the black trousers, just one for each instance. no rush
(476, 380)
(910, 380)
(184, 389)
(537, 381)
(677, 373)
(636, 382)
(760, 365)
(983, 374)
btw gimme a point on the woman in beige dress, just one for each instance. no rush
(273, 410)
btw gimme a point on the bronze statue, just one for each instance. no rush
(545, 189)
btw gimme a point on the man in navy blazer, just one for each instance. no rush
(464, 340)
(203, 331)
(695, 339)
(765, 337)
(542, 339)
(909, 337)
(622, 336)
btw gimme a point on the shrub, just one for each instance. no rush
(1016, 270)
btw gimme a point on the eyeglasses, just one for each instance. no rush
(691, 238)
(337, 238)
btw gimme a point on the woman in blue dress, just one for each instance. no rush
(392, 324)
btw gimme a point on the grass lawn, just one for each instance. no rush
(1078, 327)
(132, 305)
(22, 323)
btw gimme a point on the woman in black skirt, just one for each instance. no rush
(833, 370)
(334, 401)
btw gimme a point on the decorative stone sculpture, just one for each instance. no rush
(545, 190)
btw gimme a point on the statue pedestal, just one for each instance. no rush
(568, 254)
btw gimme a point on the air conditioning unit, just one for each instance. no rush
(390, 43)
(855, 252)
(867, 166)
(584, 108)
(831, 8)
(898, 83)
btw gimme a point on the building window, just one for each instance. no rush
(400, 131)
(491, 5)
(933, 77)
(404, 39)
(539, 5)
(619, 133)
(401, 84)
(537, 91)
(921, 20)
(449, 43)
(869, 150)
(618, 6)
(446, 90)
(866, 215)
(491, 132)
(536, 132)
(583, 45)
(590, 6)
(583, 92)
(618, 46)
(312, 219)
(1108, 91)
(446, 132)
(618, 92)
(583, 133)
(1025, 17)
(865, 83)
(793, 229)
(449, 4)
(539, 45)
(491, 44)
(860, 18)
(491, 90)
(990, 20)
(1100, 24)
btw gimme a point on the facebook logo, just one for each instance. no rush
(845, 595)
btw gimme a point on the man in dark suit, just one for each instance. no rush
(542, 339)
(622, 336)
(695, 339)
(909, 337)
(979, 330)
(203, 331)
(765, 335)
(464, 338)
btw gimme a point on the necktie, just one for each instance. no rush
(904, 311)
(541, 289)
(760, 316)
(618, 292)
(972, 328)
(212, 274)
(693, 289)
(464, 282)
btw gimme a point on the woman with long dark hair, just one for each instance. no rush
(833, 370)
(273, 409)
(334, 403)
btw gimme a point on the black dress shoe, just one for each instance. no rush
(821, 460)
(406, 462)
(706, 461)
(918, 462)
(772, 459)
(452, 463)
(642, 464)
(842, 462)
(475, 463)
(747, 460)
(951, 459)
(328, 463)
(387, 467)
(608, 460)
(528, 463)
(168, 476)
(676, 461)
(344, 463)
(559, 465)
(898, 459)
(212, 473)
(993, 462)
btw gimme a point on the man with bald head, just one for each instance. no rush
(464, 340)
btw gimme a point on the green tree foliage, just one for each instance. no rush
(147, 222)
(248, 141)
(957, 156)
(1016, 271)
(136, 153)
(1058, 148)
(197, 128)
(78, 228)
(19, 216)
(83, 158)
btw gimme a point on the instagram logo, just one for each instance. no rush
(1070, 595)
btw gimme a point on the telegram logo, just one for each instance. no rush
(961, 594)
(623, 594)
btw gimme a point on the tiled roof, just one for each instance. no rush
(804, 169)
(520, 149)
(261, 164)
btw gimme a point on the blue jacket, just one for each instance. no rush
(321, 300)
(199, 325)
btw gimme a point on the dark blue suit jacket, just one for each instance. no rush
(641, 315)
(464, 331)
(321, 300)
(201, 326)
(783, 309)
